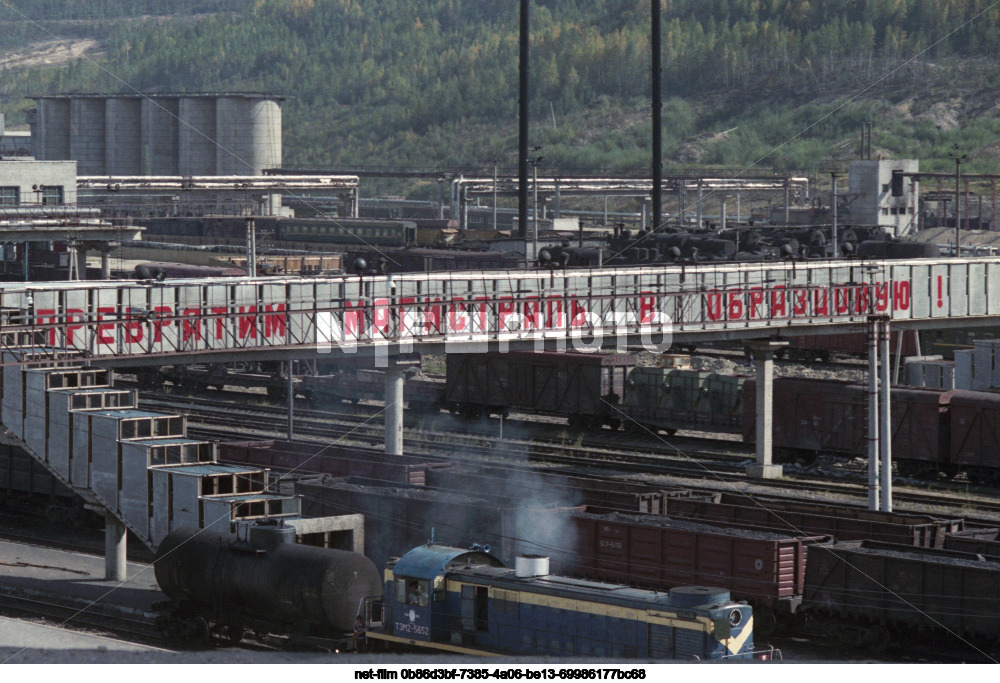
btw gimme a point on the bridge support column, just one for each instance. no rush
(394, 409)
(763, 353)
(114, 549)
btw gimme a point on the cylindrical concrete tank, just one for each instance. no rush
(265, 119)
(288, 583)
(196, 131)
(87, 142)
(123, 133)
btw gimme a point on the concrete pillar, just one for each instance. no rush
(105, 264)
(763, 353)
(873, 431)
(700, 210)
(394, 409)
(81, 263)
(114, 549)
(885, 419)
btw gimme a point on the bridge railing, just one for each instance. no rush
(347, 313)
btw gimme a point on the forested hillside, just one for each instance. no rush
(783, 83)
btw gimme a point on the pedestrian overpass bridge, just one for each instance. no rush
(149, 322)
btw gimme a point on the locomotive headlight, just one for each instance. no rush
(735, 617)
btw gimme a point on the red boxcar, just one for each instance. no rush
(658, 552)
(819, 416)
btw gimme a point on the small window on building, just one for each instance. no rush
(885, 211)
(10, 196)
(885, 187)
(52, 194)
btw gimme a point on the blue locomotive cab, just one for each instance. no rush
(416, 600)
(467, 601)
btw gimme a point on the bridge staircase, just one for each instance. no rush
(136, 467)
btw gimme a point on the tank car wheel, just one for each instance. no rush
(670, 431)
(196, 631)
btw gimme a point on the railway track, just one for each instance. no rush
(715, 463)
(90, 617)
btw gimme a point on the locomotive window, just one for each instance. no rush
(412, 592)
(440, 592)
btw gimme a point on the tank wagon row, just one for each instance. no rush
(435, 596)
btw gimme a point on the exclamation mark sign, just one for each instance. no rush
(940, 291)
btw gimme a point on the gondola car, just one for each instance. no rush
(465, 600)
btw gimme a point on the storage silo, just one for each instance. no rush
(87, 142)
(160, 152)
(196, 136)
(160, 134)
(123, 136)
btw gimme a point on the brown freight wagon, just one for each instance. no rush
(815, 416)
(891, 593)
(981, 541)
(516, 487)
(974, 421)
(335, 460)
(844, 524)
(648, 551)
(579, 386)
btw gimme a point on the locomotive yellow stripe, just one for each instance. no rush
(734, 645)
(671, 619)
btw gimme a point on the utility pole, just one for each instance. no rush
(833, 204)
(495, 162)
(957, 155)
(534, 185)
(522, 146)
(657, 117)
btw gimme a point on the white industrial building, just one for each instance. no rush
(870, 199)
